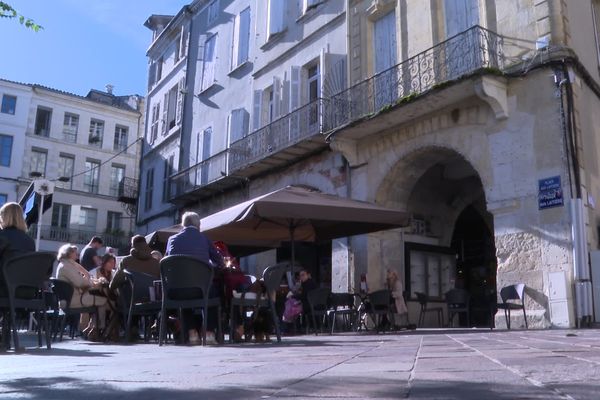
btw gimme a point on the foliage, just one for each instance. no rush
(7, 11)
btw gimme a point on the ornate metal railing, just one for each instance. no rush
(66, 235)
(464, 54)
(301, 123)
(128, 194)
(198, 175)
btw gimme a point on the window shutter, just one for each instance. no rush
(180, 97)
(183, 42)
(165, 114)
(294, 88)
(236, 121)
(208, 74)
(276, 97)
(276, 14)
(257, 100)
(244, 38)
(236, 43)
(151, 75)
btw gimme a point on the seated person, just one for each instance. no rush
(139, 260)
(70, 271)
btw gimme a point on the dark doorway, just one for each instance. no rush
(476, 266)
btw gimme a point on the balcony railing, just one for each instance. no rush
(199, 175)
(464, 54)
(300, 124)
(66, 235)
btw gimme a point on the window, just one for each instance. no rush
(213, 11)
(241, 39)
(431, 269)
(61, 215)
(167, 172)
(70, 127)
(149, 189)
(209, 63)
(42, 121)
(3, 198)
(313, 78)
(384, 45)
(65, 169)
(276, 13)
(96, 132)
(169, 110)
(91, 177)
(87, 219)
(120, 138)
(38, 161)
(307, 5)
(9, 104)
(113, 222)
(5, 150)
(154, 126)
(238, 124)
(182, 44)
(117, 180)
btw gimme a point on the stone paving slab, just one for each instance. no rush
(424, 364)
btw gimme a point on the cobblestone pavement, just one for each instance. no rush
(436, 364)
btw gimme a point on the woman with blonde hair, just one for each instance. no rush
(13, 229)
(69, 270)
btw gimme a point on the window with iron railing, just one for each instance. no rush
(91, 177)
(117, 175)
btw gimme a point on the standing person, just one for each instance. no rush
(72, 272)
(394, 285)
(89, 254)
(191, 242)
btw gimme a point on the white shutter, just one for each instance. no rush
(235, 43)
(165, 114)
(256, 112)
(244, 38)
(276, 14)
(208, 73)
(276, 98)
(183, 42)
(294, 88)
(180, 96)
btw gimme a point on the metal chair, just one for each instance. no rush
(458, 301)
(423, 299)
(180, 272)
(513, 298)
(381, 305)
(64, 292)
(343, 304)
(272, 276)
(134, 297)
(318, 299)
(25, 277)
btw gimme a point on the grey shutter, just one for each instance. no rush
(256, 111)
(165, 115)
(209, 61)
(276, 14)
(180, 96)
(244, 36)
(276, 97)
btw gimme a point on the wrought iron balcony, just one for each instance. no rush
(127, 193)
(474, 50)
(300, 124)
(75, 236)
(198, 176)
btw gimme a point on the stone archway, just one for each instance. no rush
(446, 198)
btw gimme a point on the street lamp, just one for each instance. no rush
(43, 187)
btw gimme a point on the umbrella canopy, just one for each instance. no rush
(298, 214)
(158, 239)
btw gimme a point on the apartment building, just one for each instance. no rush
(88, 147)
(477, 117)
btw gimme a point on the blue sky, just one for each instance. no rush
(85, 44)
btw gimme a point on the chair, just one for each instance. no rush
(245, 299)
(272, 277)
(516, 293)
(318, 299)
(423, 299)
(25, 277)
(381, 305)
(458, 301)
(179, 272)
(342, 304)
(64, 292)
(134, 297)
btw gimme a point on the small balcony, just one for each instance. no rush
(202, 179)
(127, 193)
(393, 91)
(283, 141)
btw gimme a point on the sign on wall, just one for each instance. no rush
(550, 193)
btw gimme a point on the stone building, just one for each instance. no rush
(475, 116)
(88, 147)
